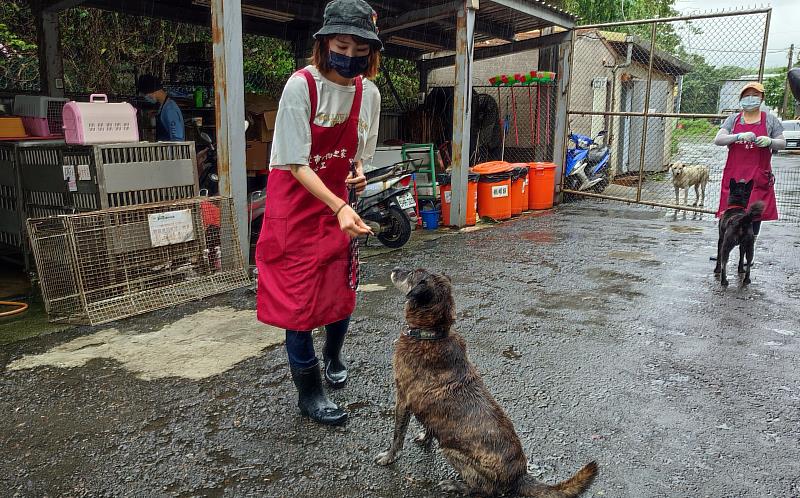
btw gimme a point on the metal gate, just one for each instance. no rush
(656, 87)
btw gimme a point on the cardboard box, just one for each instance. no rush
(262, 111)
(265, 135)
(257, 155)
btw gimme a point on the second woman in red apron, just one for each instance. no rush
(326, 128)
(751, 136)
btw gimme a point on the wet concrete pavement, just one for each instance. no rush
(599, 327)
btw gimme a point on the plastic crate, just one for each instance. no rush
(66, 179)
(42, 115)
(99, 122)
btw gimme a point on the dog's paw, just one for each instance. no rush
(451, 486)
(385, 458)
(423, 439)
(724, 282)
(717, 270)
(740, 270)
(746, 281)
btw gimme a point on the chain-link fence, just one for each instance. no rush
(659, 90)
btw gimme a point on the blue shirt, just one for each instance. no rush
(170, 123)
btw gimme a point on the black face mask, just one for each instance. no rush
(347, 67)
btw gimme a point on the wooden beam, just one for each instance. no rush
(561, 132)
(539, 10)
(418, 17)
(59, 5)
(226, 33)
(462, 109)
(498, 50)
(51, 62)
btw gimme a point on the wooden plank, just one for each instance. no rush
(51, 63)
(462, 106)
(417, 17)
(226, 33)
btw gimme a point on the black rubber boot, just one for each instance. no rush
(335, 370)
(312, 400)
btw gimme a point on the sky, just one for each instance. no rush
(732, 36)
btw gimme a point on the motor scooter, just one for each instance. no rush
(588, 163)
(388, 204)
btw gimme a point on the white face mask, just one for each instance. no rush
(750, 102)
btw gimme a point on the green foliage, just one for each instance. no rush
(268, 63)
(775, 89)
(405, 79)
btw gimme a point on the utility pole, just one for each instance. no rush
(786, 91)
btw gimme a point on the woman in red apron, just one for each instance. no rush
(751, 136)
(326, 126)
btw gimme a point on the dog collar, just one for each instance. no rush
(426, 334)
(735, 206)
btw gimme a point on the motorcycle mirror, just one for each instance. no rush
(601, 133)
(794, 82)
(205, 137)
(214, 177)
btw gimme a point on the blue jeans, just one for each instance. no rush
(300, 343)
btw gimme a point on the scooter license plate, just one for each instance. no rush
(406, 201)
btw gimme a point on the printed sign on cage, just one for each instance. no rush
(172, 227)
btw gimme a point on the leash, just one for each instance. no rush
(352, 266)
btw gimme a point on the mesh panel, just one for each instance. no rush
(111, 264)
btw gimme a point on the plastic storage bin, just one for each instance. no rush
(12, 128)
(445, 188)
(519, 189)
(542, 185)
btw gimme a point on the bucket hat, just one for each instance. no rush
(351, 17)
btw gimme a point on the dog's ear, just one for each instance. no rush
(732, 184)
(447, 277)
(749, 185)
(421, 294)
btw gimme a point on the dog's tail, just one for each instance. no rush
(570, 488)
(755, 210)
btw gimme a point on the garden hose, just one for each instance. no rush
(18, 308)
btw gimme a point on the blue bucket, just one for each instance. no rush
(430, 219)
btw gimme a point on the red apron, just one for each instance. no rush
(302, 255)
(747, 161)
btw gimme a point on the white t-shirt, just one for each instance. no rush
(291, 143)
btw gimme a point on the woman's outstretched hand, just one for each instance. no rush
(351, 223)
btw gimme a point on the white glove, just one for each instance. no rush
(747, 136)
(763, 141)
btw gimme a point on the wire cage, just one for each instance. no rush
(115, 263)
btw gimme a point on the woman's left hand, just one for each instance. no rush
(763, 141)
(359, 181)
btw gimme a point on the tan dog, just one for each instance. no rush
(437, 383)
(688, 175)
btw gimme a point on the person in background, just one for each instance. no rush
(326, 129)
(169, 120)
(751, 136)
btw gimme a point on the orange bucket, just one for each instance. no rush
(519, 188)
(445, 188)
(542, 185)
(494, 195)
(491, 168)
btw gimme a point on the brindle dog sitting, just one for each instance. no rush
(437, 383)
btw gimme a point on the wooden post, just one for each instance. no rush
(226, 31)
(563, 73)
(462, 110)
(51, 65)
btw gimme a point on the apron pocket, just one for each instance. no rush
(334, 244)
(272, 242)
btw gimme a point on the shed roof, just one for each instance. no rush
(409, 28)
(662, 61)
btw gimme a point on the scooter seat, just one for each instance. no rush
(597, 155)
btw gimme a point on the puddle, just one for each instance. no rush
(632, 255)
(685, 229)
(511, 353)
(605, 274)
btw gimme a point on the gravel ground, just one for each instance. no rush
(599, 327)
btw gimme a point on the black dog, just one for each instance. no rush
(736, 229)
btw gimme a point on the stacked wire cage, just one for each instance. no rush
(115, 263)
